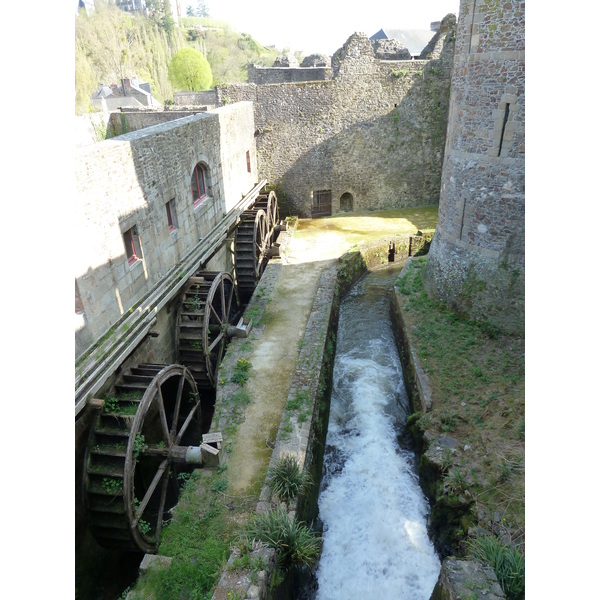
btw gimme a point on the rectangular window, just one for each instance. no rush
(248, 165)
(132, 245)
(321, 203)
(171, 215)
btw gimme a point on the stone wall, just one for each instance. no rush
(126, 182)
(375, 132)
(265, 75)
(477, 258)
(207, 97)
(129, 120)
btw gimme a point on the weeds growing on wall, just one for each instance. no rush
(286, 479)
(507, 562)
(241, 371)
(294, 543)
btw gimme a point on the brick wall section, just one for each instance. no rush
(376, 130)
(477, 258)
(126, 181)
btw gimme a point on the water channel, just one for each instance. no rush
(374, 514)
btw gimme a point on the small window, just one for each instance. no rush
(248, 165)
(199, 184)
(132, 245)
(171, 215)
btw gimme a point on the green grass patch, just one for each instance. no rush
(477, 377)
(198, 538)
(507, 562)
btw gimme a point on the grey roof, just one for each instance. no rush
(102, 92)
(413, 39)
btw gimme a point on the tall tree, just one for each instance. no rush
(159, 11)
(202, 10)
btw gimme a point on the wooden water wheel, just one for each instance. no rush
(250, 251)
(268, 203)
(137, 447)
(209, 302)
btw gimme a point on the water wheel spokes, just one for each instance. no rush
(209, 301)
(137, 445)
(268, 203)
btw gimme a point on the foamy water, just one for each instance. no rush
(375, 542)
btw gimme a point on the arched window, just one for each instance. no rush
(199, 185)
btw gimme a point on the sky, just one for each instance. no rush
(322, 26)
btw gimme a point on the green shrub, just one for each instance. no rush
(507, 562)
(294, 543)
(286, 479)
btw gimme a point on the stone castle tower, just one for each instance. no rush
(476, 263)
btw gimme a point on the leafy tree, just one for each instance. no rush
(202, 10)
(189, 11)
(190, 71)
(159, 11)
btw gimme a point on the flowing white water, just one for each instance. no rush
(374, 514)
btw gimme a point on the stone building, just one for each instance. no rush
(145, 199)
(476, 263)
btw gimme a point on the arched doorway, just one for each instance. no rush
(346, 202)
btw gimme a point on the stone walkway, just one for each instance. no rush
(273, 361)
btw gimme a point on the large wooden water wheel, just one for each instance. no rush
(137, 447)
(209, 303)
(250, 251)
(268, 203)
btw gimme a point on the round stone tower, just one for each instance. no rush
(476, 263)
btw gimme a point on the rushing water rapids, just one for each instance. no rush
(374, 514)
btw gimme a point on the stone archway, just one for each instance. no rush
(346, 202)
